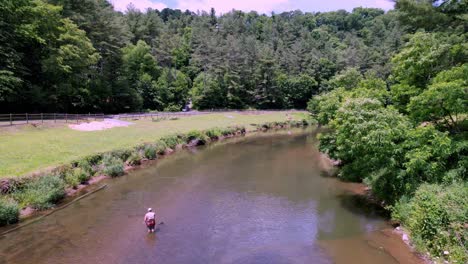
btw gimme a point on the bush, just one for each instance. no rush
(196, 135)
(172, 108)
(161, 147)
(92, 160)
(150, 152)
(436, 216)
(134, 159)
(213, 133)
(71, 180)
(121, 154)
(112, 166)
(172, 141)
(86, 167)
(78, 175)
(42, 193)
(9, 212)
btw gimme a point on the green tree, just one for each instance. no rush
(172, 90)
(207, 92)
(445, 102)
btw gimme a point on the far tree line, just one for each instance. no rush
(83, 56)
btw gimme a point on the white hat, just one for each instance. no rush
(149, 209)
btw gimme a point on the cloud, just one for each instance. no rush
(121, 5)
(261, 6)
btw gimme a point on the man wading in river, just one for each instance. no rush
(150, 220)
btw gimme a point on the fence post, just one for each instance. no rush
(11, 119)
(42, 118)
(27, 118)
(55, 117)
(66, 118)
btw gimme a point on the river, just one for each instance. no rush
(260, 199)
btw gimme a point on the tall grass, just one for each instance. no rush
(9, 211)
(42, 193)
(112, 166)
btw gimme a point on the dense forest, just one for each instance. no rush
(405, 135)
(82, 56)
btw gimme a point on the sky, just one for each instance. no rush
(261, 6)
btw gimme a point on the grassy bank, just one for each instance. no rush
(45, 190)
(29, 149)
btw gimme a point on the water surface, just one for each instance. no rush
(261, 199)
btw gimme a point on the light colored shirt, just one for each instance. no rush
(150, 215)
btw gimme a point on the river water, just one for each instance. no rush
(261, 199)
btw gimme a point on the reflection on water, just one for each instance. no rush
(258, 200)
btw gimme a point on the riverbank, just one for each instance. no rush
(36, 148)
(25, 196)
(267, 188)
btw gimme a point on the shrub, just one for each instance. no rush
(213, 133)
(172, 141)
(196, 135)
(42, 193)
(92, 160)
(71, 180)
(161, 147)
(112, 166)
(134, 159)
(86, 167)
(150, 152)
(9, 212)
(436, 216)
(172, 108)
(121, 154)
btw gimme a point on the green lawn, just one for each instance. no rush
(30, 149)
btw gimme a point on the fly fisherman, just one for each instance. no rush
(150, 220)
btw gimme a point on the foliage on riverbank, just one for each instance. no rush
(436, 216)
(44, 191)
(28, 149)
(406, 137)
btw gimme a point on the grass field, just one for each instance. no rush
(29, 149)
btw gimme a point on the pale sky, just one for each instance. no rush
(261, 6)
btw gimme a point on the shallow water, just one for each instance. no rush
(261, 199)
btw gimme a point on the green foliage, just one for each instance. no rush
(424, 56)
(172, 90)
(197, 135)
(324, 107)
(172, 141)
(62, 56)
(207, 92)
(150, 152)
(134, 159)
(445, 102)
(9, 212)
(436, 217)
(42, 193)
(161, 147)
(365, 135)
(112, 166)
(213, 133)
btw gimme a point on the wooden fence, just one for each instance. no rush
(40, 118)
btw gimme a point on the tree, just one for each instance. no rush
(423, 57)
(207, 92)
(172, 90)
(365, 136)
(140, 71)
(445, 101)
